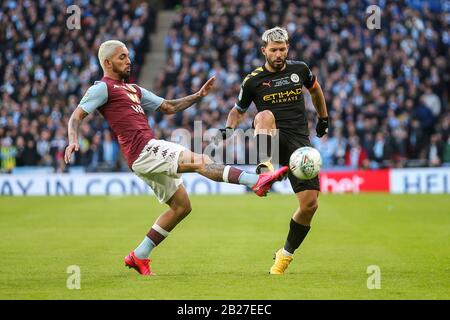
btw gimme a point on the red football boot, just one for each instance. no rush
(140, 265)
(266, 180)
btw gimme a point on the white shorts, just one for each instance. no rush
(157, 165)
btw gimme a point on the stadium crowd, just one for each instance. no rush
(46, 67)
(386, 89)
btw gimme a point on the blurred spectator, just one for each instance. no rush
(435, 151)
(446, 155)
(110, 151)
(27, 154)
(432, 102)
(416, 140)
(327, 148)
(356, 156)
(381, 152)
(7, 155)
(94, 155)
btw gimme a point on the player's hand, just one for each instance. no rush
(69, 150)
(322, 127)
(206, 87)
(224, 134)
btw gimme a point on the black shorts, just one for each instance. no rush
(288, 144)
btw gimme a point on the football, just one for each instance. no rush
(305, 163)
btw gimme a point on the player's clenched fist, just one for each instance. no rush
(322, 127)
(68, 153)
(225, 133)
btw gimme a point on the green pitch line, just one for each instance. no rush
(224, 249)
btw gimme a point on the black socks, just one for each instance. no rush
(296, 235)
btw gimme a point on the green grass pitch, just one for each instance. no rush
(224, 249)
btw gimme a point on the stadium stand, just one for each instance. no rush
(46, 67)
(386, 89)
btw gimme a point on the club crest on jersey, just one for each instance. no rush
(295, 78)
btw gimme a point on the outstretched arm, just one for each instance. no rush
(177, 105)
(74, 124)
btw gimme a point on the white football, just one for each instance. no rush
(305, 163)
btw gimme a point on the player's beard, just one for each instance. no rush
(279, 66)
(123, 75)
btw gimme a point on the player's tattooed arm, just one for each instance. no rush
(177, 105)
(74, 124)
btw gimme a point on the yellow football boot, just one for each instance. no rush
(281, 263)
(266, 166)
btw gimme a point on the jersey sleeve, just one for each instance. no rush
(245, 98)
(307, 76)
(149, 100)
(95, 97)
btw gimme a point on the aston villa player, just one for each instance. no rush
(159, 163)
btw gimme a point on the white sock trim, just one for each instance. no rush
(148, 239)
(286, 253)
(226, 171)
(160, 230)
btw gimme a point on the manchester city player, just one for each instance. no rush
(276, 89)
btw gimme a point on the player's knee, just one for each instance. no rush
(186, 210)
(265, 118)
(183, 210)
(309, 207)
(315, 207)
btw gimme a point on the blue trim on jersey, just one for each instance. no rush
(149, 100)
(95, 97)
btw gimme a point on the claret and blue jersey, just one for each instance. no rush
(122, 105)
